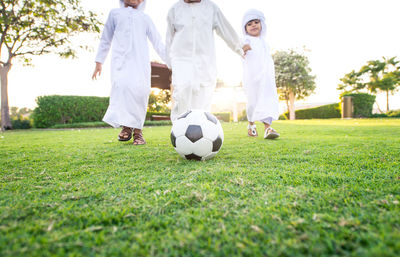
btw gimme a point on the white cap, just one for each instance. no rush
(254, 14)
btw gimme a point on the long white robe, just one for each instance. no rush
(259, 76)
(127, 29)
(191, 52)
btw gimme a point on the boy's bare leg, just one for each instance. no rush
(138, 137)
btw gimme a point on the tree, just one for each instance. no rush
(375, 76)
(293, 78)
(37, 27)
(159, 101)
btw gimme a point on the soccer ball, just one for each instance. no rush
(197, 135)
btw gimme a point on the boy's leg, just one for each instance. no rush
(181, 101)
(138, 137)
(202, 98)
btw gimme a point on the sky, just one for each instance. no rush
(338, 36)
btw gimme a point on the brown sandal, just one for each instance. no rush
(125, 134)
(138, 138)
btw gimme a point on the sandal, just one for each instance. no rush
(125, 134)
(271, 133)
(252, 131)
(138, 138)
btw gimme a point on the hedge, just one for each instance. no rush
(56, 109)
(390, 114)
(328, 111)
(362, 104)
(223, 116)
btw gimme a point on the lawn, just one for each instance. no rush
(325, 188)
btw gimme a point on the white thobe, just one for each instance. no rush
(259, 82)
(128, 29)
(191, 52)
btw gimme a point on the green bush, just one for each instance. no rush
(283, 117)
(20, 118)
(56, 109)
(21, 123)
(223, 116)
(394, 114)
(362, 104)
(390, 114)
(328, 111)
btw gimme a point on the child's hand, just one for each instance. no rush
(246, 48)
(97, 70)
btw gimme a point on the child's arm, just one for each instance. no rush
(226, 32)
(104, 46)
(169, 37)
(155, 39)
(97, 70)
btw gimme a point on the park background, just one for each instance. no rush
(339, 36)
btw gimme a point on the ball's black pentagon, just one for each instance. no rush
(193, 157)
(173, 139)
(184, 115)
(194, 133)
(211, 117)
(217, 144)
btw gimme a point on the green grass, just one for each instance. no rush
(325, 188)
(101, 124)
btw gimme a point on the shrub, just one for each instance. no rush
(328, 111)
(390, 114)
(223, 116)
(283, 117)
(362, 104)
(21, 123)
(56, 109)
(20, 118)
(394, 114)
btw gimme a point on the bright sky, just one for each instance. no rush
(340, 35)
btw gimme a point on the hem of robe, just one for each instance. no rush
(265, 118)
(115, 124)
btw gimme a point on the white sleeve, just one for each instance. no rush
(106, 39)
(156, 40)
(170, 37)
(226, 32)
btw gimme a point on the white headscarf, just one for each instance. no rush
(254, 14)
(141, 7)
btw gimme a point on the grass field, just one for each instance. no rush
(325, 188)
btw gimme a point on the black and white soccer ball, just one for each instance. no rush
(197, 135)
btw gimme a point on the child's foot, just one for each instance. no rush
(271, 133)
(125, 134)
(138, 138)
(252, 131)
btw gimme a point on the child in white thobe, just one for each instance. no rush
(191, 52)
(259, 76)
(128, 28)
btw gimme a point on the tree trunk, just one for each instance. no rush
(387, 100)
(287, 106)
(291, 107)
(5, 113)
